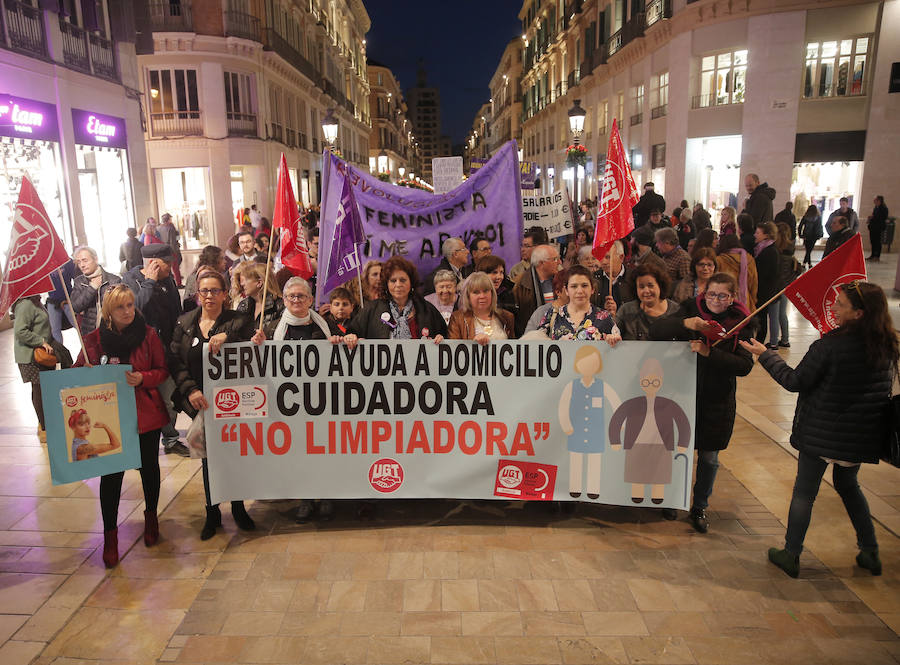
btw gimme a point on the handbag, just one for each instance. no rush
(196, 437)
(890, 453)
(44, 358)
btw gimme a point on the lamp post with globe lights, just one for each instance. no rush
(575, 158)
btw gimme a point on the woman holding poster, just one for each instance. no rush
(214, 324)
(844, 381)
(124, 338)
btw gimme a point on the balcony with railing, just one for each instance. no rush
(708, 101)
(659, 111)
(275, 42)
(626, 34)
(241, 124)
(637, 119)
(574, 77)
(171, 15)
(245, 26)
(87, 52)
(23, 28)
(176, 123)
(657, 10)
(276, 132)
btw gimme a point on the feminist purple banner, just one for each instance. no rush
(414, 223)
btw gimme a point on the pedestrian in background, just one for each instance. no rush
(786, 216)
(877, 223)
(766, 256)
(810, 229)
(844, 385)
(31, 330)
(169, 235)
(130, 251)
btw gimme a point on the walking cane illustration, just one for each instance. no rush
(687, 467)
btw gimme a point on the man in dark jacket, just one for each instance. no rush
(787, 216)
(456, 260)
(156, 296)
(648, 202)
(840, 233)
(701, 218)
(759, 201)
(535, 286)
(169, 235)
(877, 222)
(89, 288)
(130, 251)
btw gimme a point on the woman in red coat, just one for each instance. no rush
(124, 338)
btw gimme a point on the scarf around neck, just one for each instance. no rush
(121, 344)
(761, 245)
(288, 319)
(401, 318)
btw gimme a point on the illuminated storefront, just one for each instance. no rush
(712, 173)
(101, 156)
(184, 193)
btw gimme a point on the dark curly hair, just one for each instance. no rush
(875, 325)
(391, 266)
(654, 271)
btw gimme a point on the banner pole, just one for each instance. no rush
(75, 325)
(359, 274)
(262, 314)
(754, 313)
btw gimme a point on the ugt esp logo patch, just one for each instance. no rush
(386, 475)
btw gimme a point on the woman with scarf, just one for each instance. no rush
(399, 312)
(766, 256)
(707, 318)
(123, 337)
(733, 259)
(810, 229)
(212, 324)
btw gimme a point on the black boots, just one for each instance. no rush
(213, 522)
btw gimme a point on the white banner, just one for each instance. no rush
(553, 212)
(570, 420)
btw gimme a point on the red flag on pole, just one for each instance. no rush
(34, 250)
(286, 216)
(814, 292)
(618, 196)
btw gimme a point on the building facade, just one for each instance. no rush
(705, 92)
(506, 97)
(230, 85)
(480, 138)
(392, 139)
(425, 113)
(70, 119)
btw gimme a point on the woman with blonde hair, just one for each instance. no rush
(479, 318)
(123, 337)
(728, 221)
(250, 277)
(371, 281)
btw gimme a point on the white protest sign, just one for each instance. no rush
(447, 173)
(553, 212)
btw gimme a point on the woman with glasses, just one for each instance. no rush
(214, 324)
(706, 318)
(844, 385)
(703, 265)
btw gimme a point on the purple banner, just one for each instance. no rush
(527, 171)
(27, 119)
(414, 224)
(92, 128)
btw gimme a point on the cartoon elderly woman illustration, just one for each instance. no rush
(650, 423)
(581, 416)
(80, 424)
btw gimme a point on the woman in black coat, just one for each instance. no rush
(707, 318)
(214, 324)
(844, 381)
(765, 253)
(810, 229)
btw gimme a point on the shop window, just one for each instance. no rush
(836, 68)
(240, 110)
(659, 95)
(723, 79)
(184, 193)
(659, 156)
(174, 102)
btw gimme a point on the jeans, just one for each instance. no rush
(111, 484)
(767, 319)
(707, 467)
(810, 470)
(56, 313)
(169, 433)
(783, 320)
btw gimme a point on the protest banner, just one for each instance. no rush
(91, 421)
(414, 223)
(552, 212)
(527, 171)
(508, 420)
(446, 173)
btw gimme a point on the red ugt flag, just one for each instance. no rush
(286, 216)
(814, 292)
(618, 197)
(34, 251)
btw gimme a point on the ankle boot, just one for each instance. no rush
(213, 522)
(870, 561)
(151, 528)
(111, 548)
(241, 518)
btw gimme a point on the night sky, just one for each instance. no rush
(461, 43)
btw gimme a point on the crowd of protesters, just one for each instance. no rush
(673, 278)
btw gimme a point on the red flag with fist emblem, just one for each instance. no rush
(286, 216)
(34, 251)
(618, 196)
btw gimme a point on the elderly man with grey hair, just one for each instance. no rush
(612, 267)
(89, 288)
(678, 261)
(535, 286)
(456, 260)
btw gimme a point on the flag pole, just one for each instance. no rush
(74, 323)
(359, 274)
(750, 316)
(262, 314)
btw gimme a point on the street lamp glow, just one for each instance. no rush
(330, 127)
(401, 170)
(382, 162)
(551, 171)
(576, 119)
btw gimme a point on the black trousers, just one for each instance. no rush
(37, 403)
(875, 234)
(111, 485)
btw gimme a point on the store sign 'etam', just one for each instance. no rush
(27, 119)
(92, 128)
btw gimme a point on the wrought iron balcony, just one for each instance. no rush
(239, 24)
(171, 15)
(241, 124)
(657, 10)
(88, 52)
(275, 42)
(637, 119)
(176, 123)
(659, 111)
(23, 28)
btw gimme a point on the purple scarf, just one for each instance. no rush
(742, 296)
(761, 245)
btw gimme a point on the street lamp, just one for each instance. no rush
(329, 128)
(576, 125)
(401, 170)
(382, 162)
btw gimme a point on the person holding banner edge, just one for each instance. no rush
(123, 337)
(214, 324)
(479, 318)
(844, 384)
